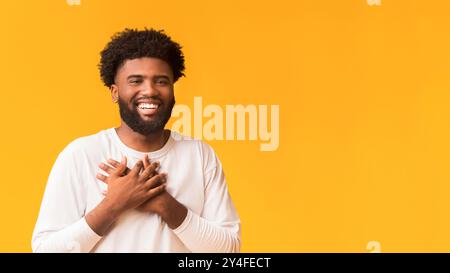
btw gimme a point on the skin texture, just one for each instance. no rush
(142, 187)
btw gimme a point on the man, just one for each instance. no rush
(138, 187)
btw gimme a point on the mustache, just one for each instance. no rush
(153, 98)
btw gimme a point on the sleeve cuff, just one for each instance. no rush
(88, 231)
(85, 236)
(184, 224)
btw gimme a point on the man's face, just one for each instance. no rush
(144, 90)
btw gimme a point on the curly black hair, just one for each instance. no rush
(131, 44)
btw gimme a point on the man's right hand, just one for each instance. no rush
(130, 190)
(126, 190)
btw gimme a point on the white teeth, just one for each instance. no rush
(147, 106)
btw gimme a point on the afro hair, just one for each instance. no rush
(131, 44)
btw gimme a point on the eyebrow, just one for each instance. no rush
(141, 76)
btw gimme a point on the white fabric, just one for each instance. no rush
(195, 179)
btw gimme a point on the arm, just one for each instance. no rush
(216, 230)
(62, 226)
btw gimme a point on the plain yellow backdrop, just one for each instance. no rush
(364, 111)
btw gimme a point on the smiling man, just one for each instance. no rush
(138, 187)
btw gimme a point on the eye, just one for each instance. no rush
(135, 81)
(162, 82)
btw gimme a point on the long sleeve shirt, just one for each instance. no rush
(195, 179)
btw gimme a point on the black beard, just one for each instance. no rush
(132, 118)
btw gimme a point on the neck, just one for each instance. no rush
(142, 143)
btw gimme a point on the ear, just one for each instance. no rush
(114, 93)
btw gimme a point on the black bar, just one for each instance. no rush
(244, 262)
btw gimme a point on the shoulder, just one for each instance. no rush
(201, 149)
(86, 145)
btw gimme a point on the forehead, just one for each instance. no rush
(144, 66)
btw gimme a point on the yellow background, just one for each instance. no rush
(364, 111)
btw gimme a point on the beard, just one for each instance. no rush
(132, 118)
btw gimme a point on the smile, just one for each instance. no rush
(147, 106)
(147, 109)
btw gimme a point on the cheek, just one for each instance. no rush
(170, 94)
(127, 95)
(167, 95)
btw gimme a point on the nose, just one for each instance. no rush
(149, 89)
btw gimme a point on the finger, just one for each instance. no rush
(156, 181)
(149, 171)
(146, 161)
(137, 168)
(102, 178)
(113, 163)
(116, 164)
(108, 169)
(153, 184)
(122, 167)
(156, 191)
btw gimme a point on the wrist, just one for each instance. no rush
(101, 218)
(111, 208)
(163, 207)
(173, 212)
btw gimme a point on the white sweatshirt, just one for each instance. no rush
(195, 178)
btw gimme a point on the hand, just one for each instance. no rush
(154, 205)
(171, 211)
(128, 189)
(115, 164)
